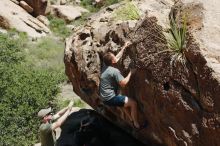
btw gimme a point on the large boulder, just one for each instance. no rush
(39, 6)
(87, 127)
(13, 16)
(68, 13)
(43, 19)
(177, 96)
(15, 1)
(25, 6)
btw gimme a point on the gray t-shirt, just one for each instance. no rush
(109, 84)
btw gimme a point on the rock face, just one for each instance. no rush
(13, 16)
(39, 6)
(97, 131)
(15, 1)
(25, 6)
(68, 13)
(179, 98)
(43, 19)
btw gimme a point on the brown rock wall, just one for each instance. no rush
(39, 6)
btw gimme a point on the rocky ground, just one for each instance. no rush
(29, 16)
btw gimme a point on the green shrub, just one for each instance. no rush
(10, 47)
(111, 2)
(88, 4)
(47, 54)
(127, 12)
(58, 27)
(23, 91)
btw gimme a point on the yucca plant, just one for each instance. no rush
(176, 39)
(177, 34)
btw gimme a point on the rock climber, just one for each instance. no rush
(50, 122)
(111, 80)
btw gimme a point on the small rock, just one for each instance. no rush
(43, 19)
(132, 23)
(72, 27)
(99, 3)
(14, 16)
(103, 20)
(62, 2)
(25, 6)
(109, 9)
(68, 13)
(77, 2)
(112, 7)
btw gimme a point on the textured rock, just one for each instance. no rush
(39, 6)
(15, 1)
(25, 6)
(43, 19)
(68, 13)
(13, 16)
(178, 97)
(62, 2)
(97, 131)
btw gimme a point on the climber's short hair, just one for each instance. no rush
(107, 58)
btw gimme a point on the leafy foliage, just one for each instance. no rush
(47, 54)
(23, 91)
(177, 34)
(128, 12)
(58, 26)
(88, 4)
(10, 46)
(111, 2)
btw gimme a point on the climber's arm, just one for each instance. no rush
(125, 81)
(119, 55)
(60, 113)
(65, 113)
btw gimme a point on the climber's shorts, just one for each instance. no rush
(118, 100)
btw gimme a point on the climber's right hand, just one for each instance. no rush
(128, 43)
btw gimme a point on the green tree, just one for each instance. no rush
(23, 91)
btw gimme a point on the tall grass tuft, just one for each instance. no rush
(127, 12)
(177, 34)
